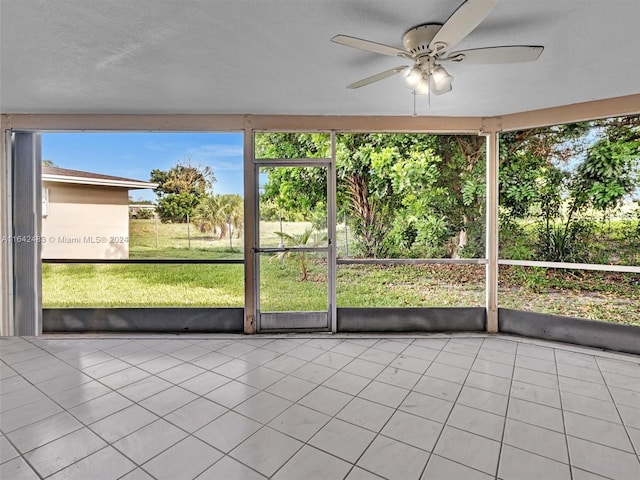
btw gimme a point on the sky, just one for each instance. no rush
(134, 155)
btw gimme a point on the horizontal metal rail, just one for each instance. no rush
(292, 162)
(349, 261)
(572, 266)
(411, 261)
(298, 159)
(142, 261)
(291, 249)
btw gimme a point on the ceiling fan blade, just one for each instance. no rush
(370, 46)
(377, 77)
(491, 55)
(467, 17)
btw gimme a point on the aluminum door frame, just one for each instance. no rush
(287, 318)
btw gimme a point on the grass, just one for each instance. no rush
(281, 289)
(410, 286)
(592, 295)
(175, 240)
(79, 285)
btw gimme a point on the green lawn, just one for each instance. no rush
(593, 295)
(410, 286)
(81, 285)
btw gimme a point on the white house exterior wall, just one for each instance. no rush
(89, 222)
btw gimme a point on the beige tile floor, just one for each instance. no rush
(316, 407)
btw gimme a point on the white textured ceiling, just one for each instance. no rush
(275, 57)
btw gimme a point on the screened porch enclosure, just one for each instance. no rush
(414, 284)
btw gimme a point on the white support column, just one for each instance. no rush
(6, 265)
(331, 212)
(26, 213)
(492, 230)
(249, 231)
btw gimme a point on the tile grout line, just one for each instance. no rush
(198, 396)
(64, 410)
(379, 432)
(444, 423)
(162, 417)
(622, 423)
(373, 401)
(108, 443)
(371, 380)
(22, 457)
(305, 443)
(506, 412)
(334, 416)
(192, 434)
(82, 426)
(266, 425)
(263, 425)
(635, 448)
(564, 420)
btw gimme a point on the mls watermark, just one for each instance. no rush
(67, 239)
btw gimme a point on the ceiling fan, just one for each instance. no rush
(428, 45)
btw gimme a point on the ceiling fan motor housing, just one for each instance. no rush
(417, 40)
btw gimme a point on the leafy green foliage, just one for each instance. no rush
(296, 240)
(516, 240)
(221, 213)
(293, 193)
(176, 207)
(143, 214)
(608, 174)
(564, 242)
(180, 189)
(404, 194)
(558, 178)
(292, 145)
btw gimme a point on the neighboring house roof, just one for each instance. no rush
(64, 175)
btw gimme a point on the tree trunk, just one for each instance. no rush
(460, 240)
(223, 230)
(303, 267)
(364, 210)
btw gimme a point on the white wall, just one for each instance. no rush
(85, 222)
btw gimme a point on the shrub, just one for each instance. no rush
(143, 214)
(515, 241)
(564, 242)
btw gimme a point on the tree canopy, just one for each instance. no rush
(219, 213)
(181, 188)
(424, 195)
(398, 190)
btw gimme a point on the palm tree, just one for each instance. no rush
(232, 209)
(297, 240)
(208, 214)
(222, 212)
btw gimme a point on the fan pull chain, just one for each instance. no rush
(415, 114)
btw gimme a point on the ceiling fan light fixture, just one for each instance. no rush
(441, 80)
(423, 87)
(413, 76)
